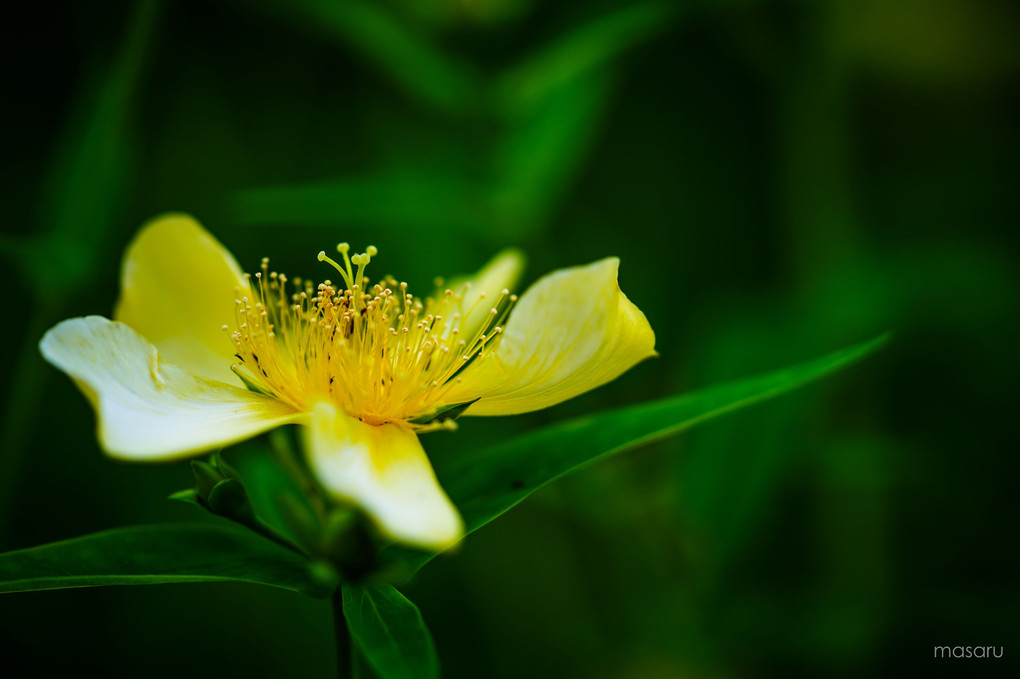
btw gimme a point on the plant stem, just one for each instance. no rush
(280, 444)
(344, 650)
(270, 533)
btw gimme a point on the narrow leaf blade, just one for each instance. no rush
(157, 554)
(485, 485)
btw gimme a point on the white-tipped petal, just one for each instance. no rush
(149, 409)
(572, 331)
(384, 470)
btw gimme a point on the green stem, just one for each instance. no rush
(342, 635)
(280, 444)
(267, 531)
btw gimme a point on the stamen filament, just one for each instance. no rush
(379, 353)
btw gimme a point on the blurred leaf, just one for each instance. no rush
(951, 41)
(541, 152)
(485, 485)
(594, 44)
(406, 200)
(85, 188)
(389, 630)
(90, 172)
(157, 554)
(403, 52)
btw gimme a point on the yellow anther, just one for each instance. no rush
(344, 273)
(315, 341)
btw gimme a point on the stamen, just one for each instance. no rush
(378, 352)
(345, 274)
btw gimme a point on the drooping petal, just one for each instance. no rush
(384, 470)
(572, 331)
(500, 273)
(149, 409)
(178, 290)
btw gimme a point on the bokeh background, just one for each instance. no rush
(781, 178)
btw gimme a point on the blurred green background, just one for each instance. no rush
(780, 178)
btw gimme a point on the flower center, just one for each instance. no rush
(377, 351)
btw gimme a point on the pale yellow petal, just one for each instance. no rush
(572, 331)
(149, 409)
(501, 273)
(178, 290)
(384, 470)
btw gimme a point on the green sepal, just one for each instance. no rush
(189, 495)
(206, 478)
(225, 469)
(447, 413)
(219, 490)
(229, 499)
(248, 383)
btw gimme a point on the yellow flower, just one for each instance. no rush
(201, 355)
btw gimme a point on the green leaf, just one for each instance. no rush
(580, 51)
(86, 188)
(408, 56)
(389, 630)
(541, 152)
(158, 554)
(485, 485)
(406, 199)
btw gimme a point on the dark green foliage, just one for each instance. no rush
(390, 632)
(155, 555)
(777, 177)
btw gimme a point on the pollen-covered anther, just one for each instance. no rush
(378, 352)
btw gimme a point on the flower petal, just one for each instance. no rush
(178, 290)
(501, 273)
(572, 331)
(384, 470)
(148, 409)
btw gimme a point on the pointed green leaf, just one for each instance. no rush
(390, 632)
(485, 485)
(189, 495)
(157, 554)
